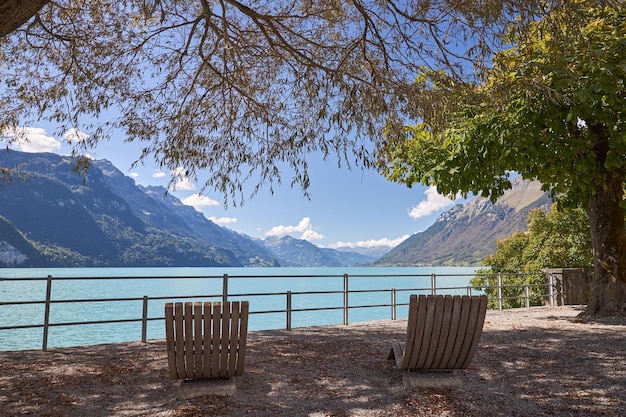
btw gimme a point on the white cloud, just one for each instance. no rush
(223, 220)
(183, 182)
(434, 202)
(158, 174)
(311, 235)
(134, 175)
(31, 139)
(305, 229)
(75, 136)
(372, 243)
(199, 201)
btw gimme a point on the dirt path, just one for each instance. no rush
(538, 362)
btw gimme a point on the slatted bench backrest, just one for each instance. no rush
(206, 340)
(443, 331)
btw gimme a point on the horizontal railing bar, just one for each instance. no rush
(78, 323)
(295, 310)
(126, 299)
(184, 297)
(328, 292)
(108, 278)
(514, 285)
(131, 277)
(268, 312)
(16, 303)
(95, 300)
(159, 277)
(371, 306)
(523, 296)
(73, 323)
(21, 326)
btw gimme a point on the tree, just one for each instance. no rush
(559, 238)
(551, 108)
(17, 12)
(241, 90)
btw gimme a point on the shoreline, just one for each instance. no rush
(543, 361)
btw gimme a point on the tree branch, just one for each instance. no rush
(14, 13)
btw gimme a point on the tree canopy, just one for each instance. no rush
(241, 90)
(551, 108)
(541, 110)
(557, 239)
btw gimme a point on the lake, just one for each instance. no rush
(265, 288)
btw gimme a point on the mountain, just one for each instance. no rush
(51, 216)
(373, 252)
(154, 205)
(15, 248)
(466, 234)
(297, 252)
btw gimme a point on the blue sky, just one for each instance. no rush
(347, 209)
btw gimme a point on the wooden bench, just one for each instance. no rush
(442, 332)
(206, 340)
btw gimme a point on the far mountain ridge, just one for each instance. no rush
(298, 252)
(467, 233)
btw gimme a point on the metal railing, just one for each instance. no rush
(346, 292)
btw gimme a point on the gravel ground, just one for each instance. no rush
(538, 362)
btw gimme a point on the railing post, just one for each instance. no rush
(288, 326)
(345, 299)
(551, 289)
(46, 314)
(433, 284)
(499, 291)
(225, 289)
(144, 320)
(393, 304)
(527, 291)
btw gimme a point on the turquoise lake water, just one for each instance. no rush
(310, 288)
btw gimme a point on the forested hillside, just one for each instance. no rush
(54, 217)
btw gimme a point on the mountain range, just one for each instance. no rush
(50, 216)
(466, 234)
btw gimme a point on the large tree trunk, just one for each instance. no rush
(14, 13)
(608, 238)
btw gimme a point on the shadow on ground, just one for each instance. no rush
(575, 370)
